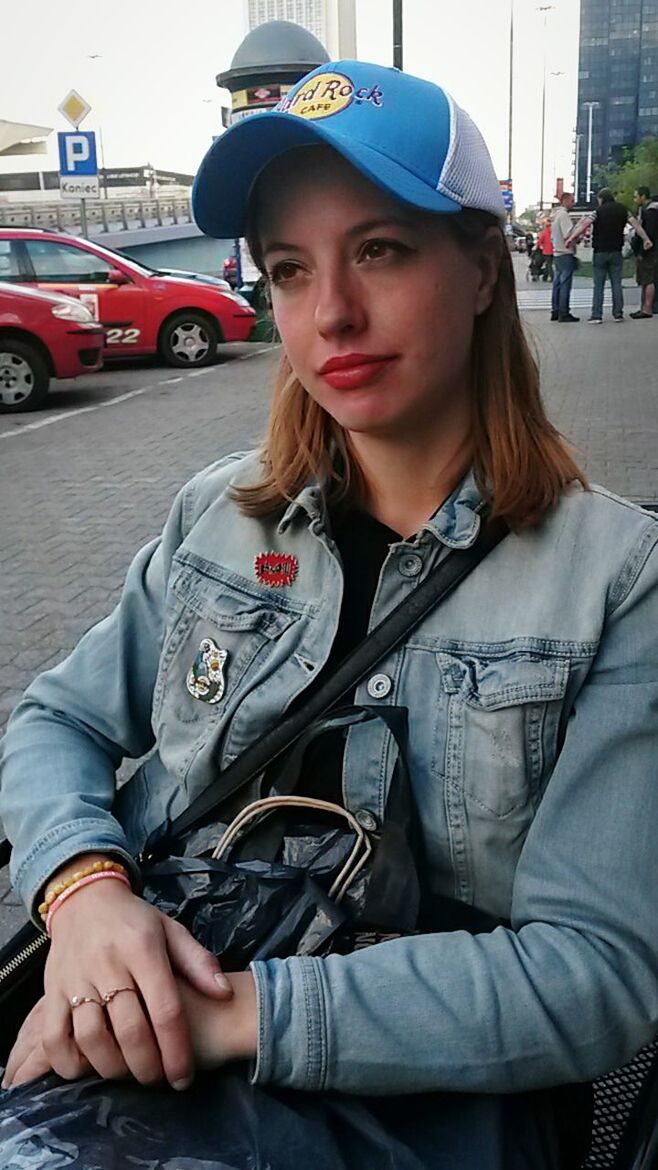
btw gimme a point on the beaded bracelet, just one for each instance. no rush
(65, 883)
(87, 880)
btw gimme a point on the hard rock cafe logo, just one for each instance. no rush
(327, 94)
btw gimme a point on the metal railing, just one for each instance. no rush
(103, 215)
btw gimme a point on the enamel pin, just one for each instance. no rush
(274, 568)
(205, 680)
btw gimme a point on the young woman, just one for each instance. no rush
(407, 402)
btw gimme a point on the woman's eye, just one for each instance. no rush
(283, 272)
(380, 249)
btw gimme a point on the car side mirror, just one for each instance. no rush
(116, 276)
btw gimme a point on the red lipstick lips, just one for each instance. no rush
(352, 370)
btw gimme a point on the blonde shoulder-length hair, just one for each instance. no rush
(521, 462)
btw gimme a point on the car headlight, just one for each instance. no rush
(72, 312)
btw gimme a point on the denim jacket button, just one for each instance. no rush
(410, 565)
(366, 819)
(379, 686)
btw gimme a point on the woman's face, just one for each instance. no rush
(374, 302)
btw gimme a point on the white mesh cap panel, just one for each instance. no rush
(468, 175)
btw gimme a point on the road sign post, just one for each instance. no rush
(507, 193)
(78, 169)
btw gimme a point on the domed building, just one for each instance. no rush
(268, 62)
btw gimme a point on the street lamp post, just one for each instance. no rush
(576, 167)
(545, 8)
(590, 106)
(99, 57)
(397, 34)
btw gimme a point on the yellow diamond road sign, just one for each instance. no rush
(74, 108)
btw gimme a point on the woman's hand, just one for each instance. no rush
(105, 938)
(219, 1032)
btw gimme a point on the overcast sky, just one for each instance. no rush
(153, 89)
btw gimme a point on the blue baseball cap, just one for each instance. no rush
(406, 135)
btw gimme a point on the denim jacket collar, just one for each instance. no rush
(456, 523)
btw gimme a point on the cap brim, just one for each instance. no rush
(226, 176)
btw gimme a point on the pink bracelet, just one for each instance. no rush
(85, 881)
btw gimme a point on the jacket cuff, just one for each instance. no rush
(292, 1023)
(59, 846)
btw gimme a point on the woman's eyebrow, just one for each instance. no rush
(358, 229)
(278, 246)
(369, 225)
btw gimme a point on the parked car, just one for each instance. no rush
(203, 277)
(42, 336)
(141, 310)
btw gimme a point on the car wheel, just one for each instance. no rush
(24, 376)
(189, 339)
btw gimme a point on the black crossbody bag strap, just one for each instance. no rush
(380, 641)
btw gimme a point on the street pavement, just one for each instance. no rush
(87, 481)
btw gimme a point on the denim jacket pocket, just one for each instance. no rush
(503, 724)
(242, 624)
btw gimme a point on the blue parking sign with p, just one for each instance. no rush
(77, 153)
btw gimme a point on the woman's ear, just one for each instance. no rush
(488, 262)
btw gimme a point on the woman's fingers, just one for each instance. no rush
(134, 1036)
(96, 1041)
(36, 1064)
(164, 1007)
(29, 1038)
(189, 959)
(57, 1037)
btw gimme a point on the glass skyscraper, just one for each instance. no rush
(333, 22)
(618, 68)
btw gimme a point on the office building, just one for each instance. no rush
(333, 22)
(617, 80)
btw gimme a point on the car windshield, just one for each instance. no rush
(137, 265)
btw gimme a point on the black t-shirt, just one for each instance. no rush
(363, 544)
(608, 234)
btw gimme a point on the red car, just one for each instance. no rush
(42, 336)
(142, 311)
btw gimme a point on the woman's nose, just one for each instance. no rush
(339, 307)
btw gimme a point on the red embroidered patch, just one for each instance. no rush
(276, 568)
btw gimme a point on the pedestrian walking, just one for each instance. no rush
(504, 751)
(647, 260)
(564, 260)
(545, 243)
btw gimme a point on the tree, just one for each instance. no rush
(639, 168)
(529, 217)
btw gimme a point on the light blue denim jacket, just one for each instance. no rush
(533, 707)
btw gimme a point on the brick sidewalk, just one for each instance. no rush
(599, 384)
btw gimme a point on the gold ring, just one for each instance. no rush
(77, 1000)
(109, 995)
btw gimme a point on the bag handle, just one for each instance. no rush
(394, 628)
(361, 849)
